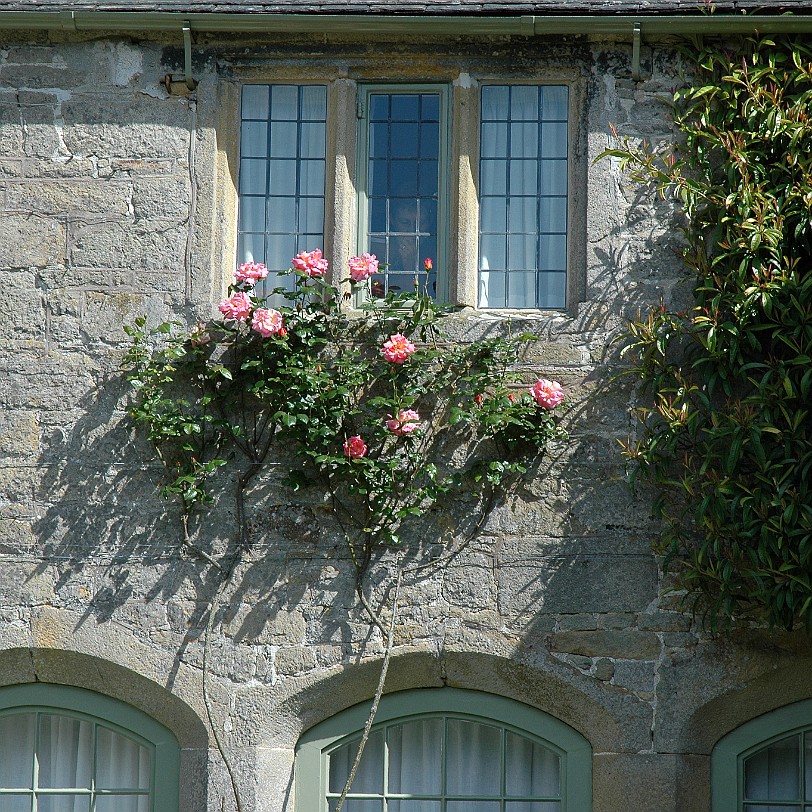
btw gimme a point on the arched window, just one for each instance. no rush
(65, 749)
(446, 750)
(766, 764)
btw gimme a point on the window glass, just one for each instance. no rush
(282, 174)
(451, 763)
(403, 156)
(523, 183)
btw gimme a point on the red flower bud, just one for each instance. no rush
(281, 332)
(478, 399)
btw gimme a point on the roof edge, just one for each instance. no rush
(260, 22)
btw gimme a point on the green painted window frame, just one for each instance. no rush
(730, 753)
(104, 711)
(311, 771)
(365, 90)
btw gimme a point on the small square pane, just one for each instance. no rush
(428, 183)
(524, 178)
(495, 102)
(772, 774)
(492, 252)
(282, 177)
(402, 216)
(282, 215)
(121, 763)
(401, 282)
(378, 180)
(253, 176)
(279, 250)
(64, 752)
(430, 107)
(522, 252)
(284, 102)
(553, 177)
(122, 803)
(492, 290)
(312, 140)
(404, 143)
(255, 101)
(251, 248)
(17, 744)
(356, 805)
(311, 178)
(379, 107)
(473, 806)
(63, 803)
(553, 253)
(494, 140)
(16, 803)
(552, 291)
(524, 103)
(524, 140)
(416, 758)
(311, 215)
(493, 177)
(369, 777)
(473, 764)
(403, 179)
(426, 247)
(377, 214)
(254, 139)
(530, 769)
(533, 806)
(523, 215)
(553, 214)
(493, 214)
(403, 254)
(252, 213)
(283, 139)
(378, 139)
(413, 806)
(428, 216)
(314, 103)
(554, 103)
(429, 140)
(554, 141)
(521, 289)
(404, 107)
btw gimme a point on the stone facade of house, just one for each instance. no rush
(117, 198)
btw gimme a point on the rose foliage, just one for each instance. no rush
(725, 427)
(377, 406)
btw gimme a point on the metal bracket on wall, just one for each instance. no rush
(636, 52)
(181, 87)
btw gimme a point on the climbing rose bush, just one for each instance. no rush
(287, 373)
(548, 394)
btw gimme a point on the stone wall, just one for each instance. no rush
(117, 199)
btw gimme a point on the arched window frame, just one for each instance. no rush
(730, 753)
(315, 745)
(110, 713)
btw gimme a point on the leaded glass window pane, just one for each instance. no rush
(523, 186)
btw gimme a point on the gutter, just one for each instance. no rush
(469, 25)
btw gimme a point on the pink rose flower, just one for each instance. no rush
(361, 268)
(199, 335)
(250, 273)
(311, 262)
(548, 394)
(405, 422)
(355, 447)
(237, 306)
(267, 322)
(428, 264)
(397, 349)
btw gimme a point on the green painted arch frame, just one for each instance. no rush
(728, 755)
(574, 749)
(110, 713)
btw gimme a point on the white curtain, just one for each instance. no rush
(17, 750)
(772, 774)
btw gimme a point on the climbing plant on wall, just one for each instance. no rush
(724, 428)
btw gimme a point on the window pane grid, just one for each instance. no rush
(500, 794)
(403, 158)
(523, 174)
(282, 190)
(63, 752)
(779, 775)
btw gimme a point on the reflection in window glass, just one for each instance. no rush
(523, 179)
(282, 174)
(402, 185)
(448, 764)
